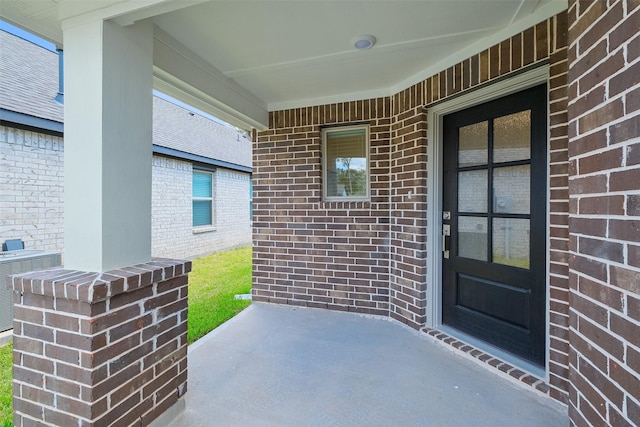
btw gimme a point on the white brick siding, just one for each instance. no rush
(32, 199)
(31, 188)
(172, 231)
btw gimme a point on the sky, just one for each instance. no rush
(357, 163)
(12, 29)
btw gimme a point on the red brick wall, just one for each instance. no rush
(307, 251)
(372, 257)
(558, 269)
(99, 349)
(604, 184)
(408, 280)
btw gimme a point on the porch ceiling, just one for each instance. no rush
(296, 53)
(285, 54)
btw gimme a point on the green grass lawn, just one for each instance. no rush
(514, 262)
(6, 411)
(213, 283)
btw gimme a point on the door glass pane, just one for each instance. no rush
(512, 137)
(472, 237)
(473, 145)
(511, 187)
(472, 191)
(511, 242)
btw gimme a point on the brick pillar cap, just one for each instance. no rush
(94, 287)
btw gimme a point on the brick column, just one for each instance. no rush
(604, 218)
(99, 349)
(408, 170)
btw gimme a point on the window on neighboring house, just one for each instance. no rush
(346, 163)
(202, 198)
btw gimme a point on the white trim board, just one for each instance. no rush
(435, 114)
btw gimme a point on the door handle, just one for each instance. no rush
(446, 232)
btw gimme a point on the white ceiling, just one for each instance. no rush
(300, 52)
(292, 53)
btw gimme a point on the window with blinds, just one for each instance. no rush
(202, 198)
(346, 163)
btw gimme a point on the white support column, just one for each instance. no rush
(108, 145)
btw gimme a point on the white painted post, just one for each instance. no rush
(108, 145)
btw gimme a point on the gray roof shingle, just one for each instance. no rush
(174, 127)
(29, 84)
(28, 78)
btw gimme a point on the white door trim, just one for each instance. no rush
(435, 114)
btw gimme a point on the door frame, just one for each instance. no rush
(435, 114)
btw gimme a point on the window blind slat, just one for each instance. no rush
(201, 212)
(202, 184)
(202, 188)
(346, 147)
(346, 163)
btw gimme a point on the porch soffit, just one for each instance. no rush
(267, 55)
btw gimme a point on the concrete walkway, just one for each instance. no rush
(282, 366)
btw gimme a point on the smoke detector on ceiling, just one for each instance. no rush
(364, 42)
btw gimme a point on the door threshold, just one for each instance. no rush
(496, 352)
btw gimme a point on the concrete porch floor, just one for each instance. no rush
(282, 366)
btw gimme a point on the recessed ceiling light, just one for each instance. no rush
(364, 42)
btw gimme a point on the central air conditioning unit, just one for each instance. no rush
(16, 262)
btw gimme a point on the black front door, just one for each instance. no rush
(494, 222)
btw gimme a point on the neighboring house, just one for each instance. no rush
(188, 148)
(201, 203)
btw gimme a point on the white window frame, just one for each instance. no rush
(204, 227)
(336, 129)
